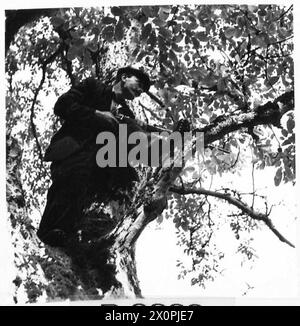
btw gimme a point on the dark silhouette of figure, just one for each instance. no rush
(86, 110)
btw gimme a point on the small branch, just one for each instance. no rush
(144, 113)
(68, 67)
(253, 185)
(156, 99)
(36, 93)
(236, 160)
(281, 41)
(285, 12)
(237, 203)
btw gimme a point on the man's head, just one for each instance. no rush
(131, 83)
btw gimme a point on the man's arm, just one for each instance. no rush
(72, 105)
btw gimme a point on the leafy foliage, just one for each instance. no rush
(206, 62)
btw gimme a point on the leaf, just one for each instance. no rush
(272, 28)
(187, 57)
(195, 43)
(141, 56)
(230, 32)
(187, 39)
(158, 22)
(173, 56)
(221, 85)
(288, 172)
(126, 22)
(273, 80)
(135, 52)
(87, 59)
(278, 177)
(108, 20)
(108, 33)
(284, 132)
(262, 12)
(159, 219)
(252, 8)
(178, 38)
(74, 35)
(240, 22)
(13, 153)
(163, 13)
(166, 33)
(202, 37)
(96, 30)
(152, 40)
(119, 31)
(116, 11)
(290, 124)
(72, 53)
(290, 140)
(203, 121)
(176, 28)
(146, 31)
(78, 42)
(57, 21)
(147, 11)
(92, 47)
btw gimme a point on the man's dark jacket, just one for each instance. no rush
(81, 125)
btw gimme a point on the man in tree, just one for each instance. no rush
(86, 110)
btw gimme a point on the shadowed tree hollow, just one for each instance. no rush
(228, 70)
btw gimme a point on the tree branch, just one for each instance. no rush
(67, 66)
(285, 12)
(269, 113)
(237, 203)
(50, 59)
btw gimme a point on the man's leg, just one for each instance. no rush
(65, 199)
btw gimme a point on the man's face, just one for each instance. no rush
(131, 87)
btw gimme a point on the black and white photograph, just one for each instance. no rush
(148, 154)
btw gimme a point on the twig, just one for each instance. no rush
(68, 68)
(36, 93)
(285, 12)
(236, 202)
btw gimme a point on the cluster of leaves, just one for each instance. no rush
(194, 220)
